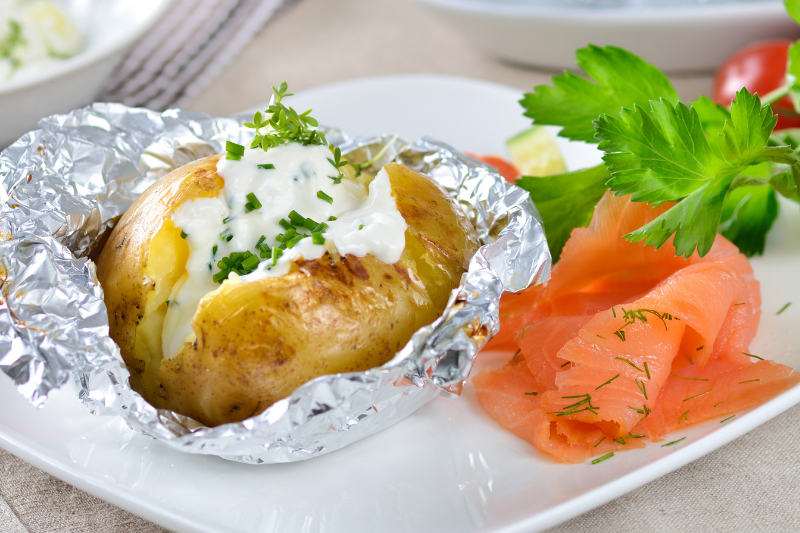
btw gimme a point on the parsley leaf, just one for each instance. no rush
(662, 154)
(566, 201)
(623, 79)
(747, 216)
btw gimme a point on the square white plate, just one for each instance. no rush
(446, 468)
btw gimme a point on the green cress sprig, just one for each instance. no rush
(723, 166)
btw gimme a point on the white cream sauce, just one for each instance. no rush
(367, 222)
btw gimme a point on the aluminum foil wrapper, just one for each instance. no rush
(63, 187)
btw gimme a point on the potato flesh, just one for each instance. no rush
(257, 342)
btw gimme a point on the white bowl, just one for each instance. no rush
(109, 27)
(676, 38)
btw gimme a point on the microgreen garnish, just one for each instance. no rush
(234, 151)
(673, 442)
(751, 355)
(725, 420)
(322, 196)
(749, 381)
(784, 308)
(531, 394)
(641, 386)
(283, 125)
(698, 395)
(609, 455)
(240, 262)
(629, 362)
(573, 408)
(252, 203)
(646, 370)
(184, 234)
(607, 382)
(565, 364)
(598, 442)
(226, 235)
(337, 163)
(692, 379)
(266, 166)
(684, 416)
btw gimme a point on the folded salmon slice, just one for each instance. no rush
(606, 337)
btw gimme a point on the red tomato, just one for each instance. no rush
(761, 68)
(506, 169)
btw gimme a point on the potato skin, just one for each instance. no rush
(258, 341)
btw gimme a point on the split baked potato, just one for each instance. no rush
(256, 342)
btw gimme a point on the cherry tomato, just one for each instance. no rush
(760, 68)
(506, 169)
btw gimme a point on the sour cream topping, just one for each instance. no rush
(366, 222)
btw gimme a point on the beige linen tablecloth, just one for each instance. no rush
(751, 484)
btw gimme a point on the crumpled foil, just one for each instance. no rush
(63, 187)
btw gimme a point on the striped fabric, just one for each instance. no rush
(190, 46)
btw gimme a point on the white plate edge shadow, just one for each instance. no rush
(105, 489)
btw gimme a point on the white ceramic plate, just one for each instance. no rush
(448, 467)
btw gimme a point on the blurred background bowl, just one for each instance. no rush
(108, 27)
(678, 36)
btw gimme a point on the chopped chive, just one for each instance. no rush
(253, 204)
(310, 224)
(516, 355)
(646, 370)
(284, 224)
(601, 336)
(228, 219)
(235, 151)
(214, 251)
(630, 363)
(673, 442)
(184, 234)
(751, 355)
(609, 455)
(531, 394)
(692, 379)
(210, 266)
(360, 227)
(720, 403)
(317, 238)
(250, 263)
(261, 240)
(331, 218)
(698, 395)
(276, 253)
(684, 416)
(294, 240)
(322, 196)
(723, 421)
(607, 382)
(266, 166)
(700, 348)
(784, 308)
(565, 364)
(226, 235)
(749, 381)
(296, 218)
(598, 442)
(740, 303)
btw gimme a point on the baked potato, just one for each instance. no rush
(255, 342)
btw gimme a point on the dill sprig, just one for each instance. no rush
(684, 416)
(698, 395)
(633, 315)
(607, 382)
(598, 442)
(642, 388)
(673, 442)
(692, 379)
(646, 370)
(516, 355)
(565, 364)
(630, 363)
(623, 440)
(751, 355)
(749, 381)
(585, 403)
(784, 308)
(531, 394)
(725, 420)
(609, 455)
(720, 403)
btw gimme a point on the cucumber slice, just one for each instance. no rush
(534, 153)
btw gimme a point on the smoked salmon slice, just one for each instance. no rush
(626, 342)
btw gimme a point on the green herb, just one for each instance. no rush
(322, 196)
(360, 227)
(331, 218)
(228, 219)
(644, 410)
(751, 355)
(740, 303)
(629, 362)
(601, 336)
(226, 235)
(280, 124)
(598, 442)
(240, 262)
(338, 164)
(613, 312)
(673, 442)
(572, 409)
(623, 440)
(700, 348)
(317, 238)
(565, 364)
(646, 370)
(276, 253)
(720, 403)
(684, 416)
(266, 166)
(184, 234)
(294, 240)
(235, 151)
(531, 394)
(169, 302)
(516, 355)
(609, 455)
(607, 382)
(310, 224)
(296, 218)
(784, 308)
(730, 417)
(641, 386)
(749, 381)
(692, 379)
(747, 216)
(252, 203)
(13, 44)
(214, 251)
(285, 224)
(698, 395)
(639, 314)
(319, 228)
(640, 411)
(360, 167)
